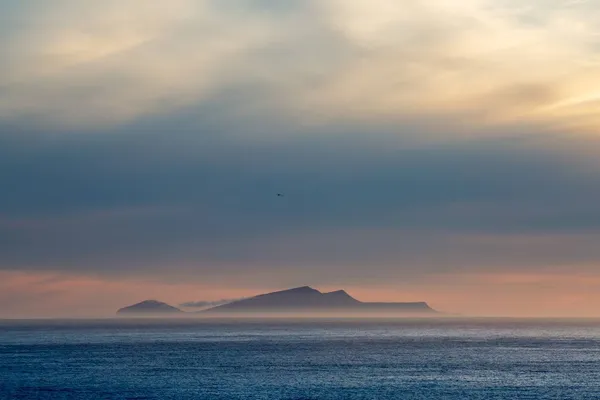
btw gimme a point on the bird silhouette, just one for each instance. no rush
(279, 194)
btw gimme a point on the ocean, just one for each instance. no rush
(300, 359)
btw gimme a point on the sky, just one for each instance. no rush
(428, 150)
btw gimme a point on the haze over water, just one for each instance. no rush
(300, 359)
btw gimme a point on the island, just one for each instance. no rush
(296, 301)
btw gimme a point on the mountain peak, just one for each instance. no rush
(150, 303)
(303, 298)
(306, 289)
(302, 290)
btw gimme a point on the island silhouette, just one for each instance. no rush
(300, 300)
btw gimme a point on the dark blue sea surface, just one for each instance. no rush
(300, 359)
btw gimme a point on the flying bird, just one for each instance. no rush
(279, 194)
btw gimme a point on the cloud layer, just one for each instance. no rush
(206, 205)
(492, 61)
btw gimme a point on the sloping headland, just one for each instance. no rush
(301, 300)
(307, 299)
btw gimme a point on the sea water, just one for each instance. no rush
(300, 359)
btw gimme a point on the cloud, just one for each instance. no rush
(201, 206)
(450, 57)
(479, 60)
(94, 64)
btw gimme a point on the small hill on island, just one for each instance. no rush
(149, 307)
